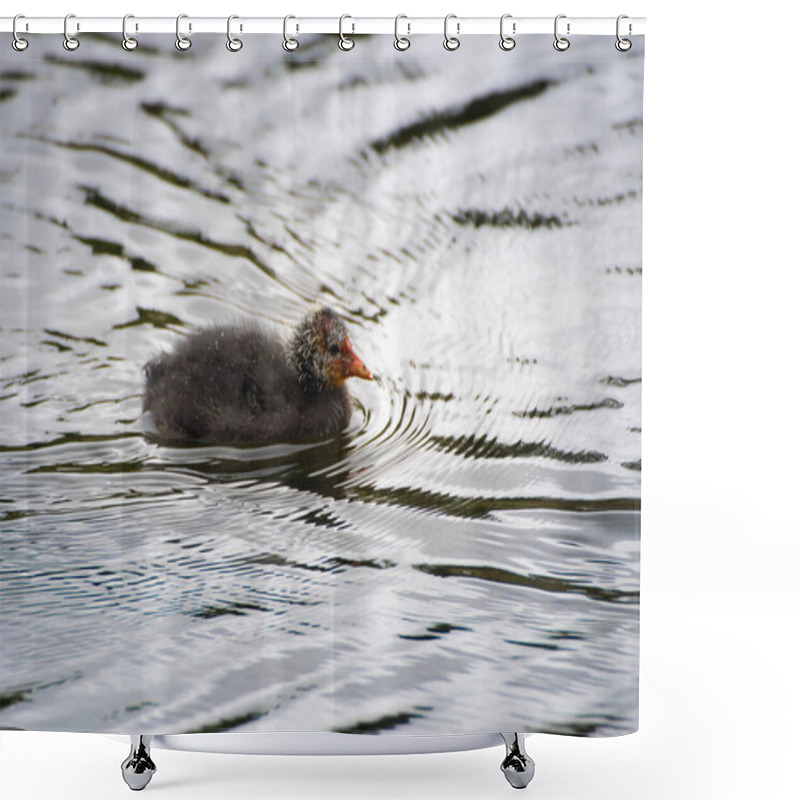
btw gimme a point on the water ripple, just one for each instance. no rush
(478, 521)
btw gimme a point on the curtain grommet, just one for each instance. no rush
(182, 42)
(451, 43)
(18, 43)
(71, 43)
(128, 42)
(561, 43)
(233, 44)
(507, 42)
(401, 43)
(345, 42)
(289, 44)
(623, 45)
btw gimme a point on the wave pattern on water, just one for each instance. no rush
(478, 523)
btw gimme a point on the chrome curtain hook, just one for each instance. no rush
(18, 43)
(345, 42)
(233, 44)
(507, 42)
(623, 45)
(561, 43)
(401, 42)
(70, 42)
(181, 42)
(128, 42)
(451, 42)
(289, 44)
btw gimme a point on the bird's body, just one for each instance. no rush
(244, 385)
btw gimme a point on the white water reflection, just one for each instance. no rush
(465, 557)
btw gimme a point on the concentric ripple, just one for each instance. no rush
(464, 557)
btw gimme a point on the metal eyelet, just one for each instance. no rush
(623, 45)
(128, 42)
(70, 42)
(451, 43)
(345, 42)
(401, 43)
(289, 44)
(18, 43)
(182, 42)
(233, 44)
(561, 43)
(507, 42)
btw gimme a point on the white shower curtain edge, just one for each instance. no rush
(319, 743)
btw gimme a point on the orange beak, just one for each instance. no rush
(353, 365)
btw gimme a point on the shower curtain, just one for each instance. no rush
(462, 555)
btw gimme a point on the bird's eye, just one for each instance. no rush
(335, 349)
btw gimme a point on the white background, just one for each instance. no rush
(720, 705)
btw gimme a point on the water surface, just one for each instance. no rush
(464, 557)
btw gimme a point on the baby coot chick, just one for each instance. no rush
(243, 385)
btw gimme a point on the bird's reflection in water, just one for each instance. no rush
(319, 467)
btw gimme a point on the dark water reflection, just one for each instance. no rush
(465, 556)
